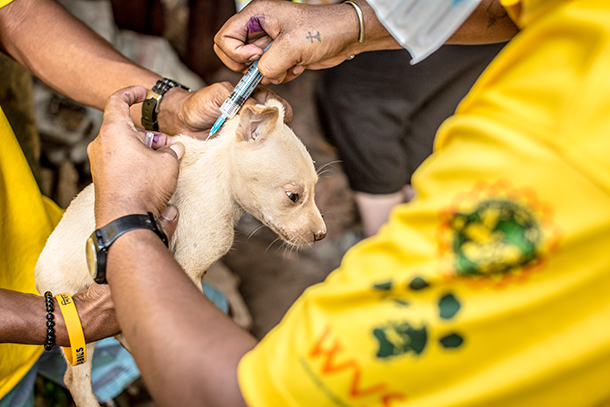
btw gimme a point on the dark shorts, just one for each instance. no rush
(381, 113)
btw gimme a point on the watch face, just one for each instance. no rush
(91, 251)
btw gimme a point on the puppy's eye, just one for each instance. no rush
(293, 197)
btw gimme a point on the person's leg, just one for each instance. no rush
(375, 209)
(436, 98)
(364, 105)
(455, 69)
(381, 113)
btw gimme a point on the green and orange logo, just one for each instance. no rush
(497, 234)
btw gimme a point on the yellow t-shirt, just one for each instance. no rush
(26, 221)
(491, 287)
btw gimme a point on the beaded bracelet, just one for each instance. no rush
(50, 343)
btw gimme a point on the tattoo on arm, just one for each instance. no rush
(312, 37)
(496, 12)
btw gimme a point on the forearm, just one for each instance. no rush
(489, 23)
(376, 36)
(323, 36)
(186, 348)
(23, 318)
(66, 55)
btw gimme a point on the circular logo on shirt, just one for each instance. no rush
(497, 232)
(496, 237)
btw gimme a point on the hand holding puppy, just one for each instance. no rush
(129, 177)
(194, 113)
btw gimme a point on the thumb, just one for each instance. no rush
(178, 148)
(169, 220)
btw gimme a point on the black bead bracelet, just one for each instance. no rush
(50, 343)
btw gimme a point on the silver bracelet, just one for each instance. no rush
(360, 19)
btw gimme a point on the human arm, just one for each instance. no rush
(489, 23)
(75, 61)
(65, 54)
(187, 350)
(23, 317)
(305, 36)
(322, 36)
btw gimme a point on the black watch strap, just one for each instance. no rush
(117, 227)
(150, 106)
(101, 239)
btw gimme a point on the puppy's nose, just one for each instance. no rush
(319, 235)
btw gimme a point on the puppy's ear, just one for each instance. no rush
(256, 121)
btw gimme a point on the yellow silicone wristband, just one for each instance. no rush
(76, 354)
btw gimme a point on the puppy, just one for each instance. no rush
(255, 164)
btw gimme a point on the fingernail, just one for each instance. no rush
(179, 149)
(170, 213)
(255, 57)
(148, 140)
(297, 70)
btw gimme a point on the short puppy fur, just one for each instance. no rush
(255, 164)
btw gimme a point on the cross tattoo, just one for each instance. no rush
(311, 37)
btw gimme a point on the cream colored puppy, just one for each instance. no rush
(255, 164)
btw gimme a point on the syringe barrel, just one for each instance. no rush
(242, 91)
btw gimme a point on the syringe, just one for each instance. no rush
(240, 94)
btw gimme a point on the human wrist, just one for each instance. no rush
(374, 34)
(339, 40)
(61, 333)
(97, 316)
(360, 17)
(122, 250)
(101, 240)
(170, 116)
(151, 106)
(104, 214)
(76, 352)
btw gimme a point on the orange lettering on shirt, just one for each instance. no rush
(355, 391)
(386, 399)
(331, 365)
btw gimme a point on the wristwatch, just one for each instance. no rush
(100, 240)
(150, 106)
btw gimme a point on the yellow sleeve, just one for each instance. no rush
(490, 288)
(4, 2)
(26, 221)
(513, 8)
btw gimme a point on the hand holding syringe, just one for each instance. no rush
(240, 94)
